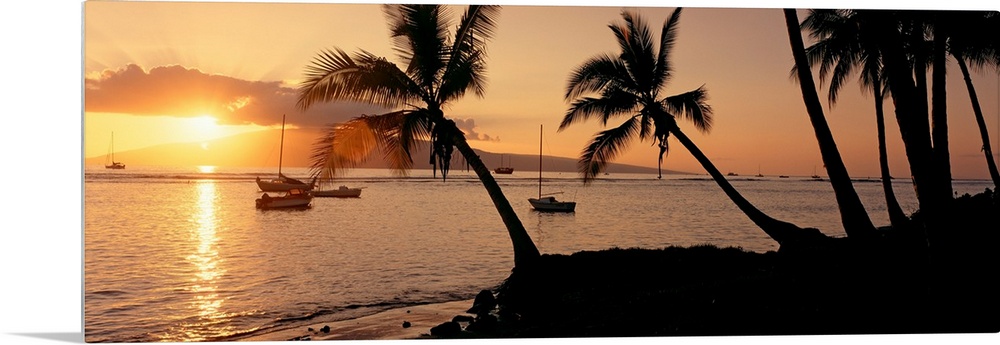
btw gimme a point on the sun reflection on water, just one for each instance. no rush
(205, 299)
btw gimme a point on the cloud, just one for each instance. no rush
(468, 126)
(182, 92)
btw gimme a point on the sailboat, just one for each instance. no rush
(281, 183)
(502, 169)
(111, 156)
(547, 202)
(814, 175)
(758, 171)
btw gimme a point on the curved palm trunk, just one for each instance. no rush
(896, 216)
(939, 116)
(780, 231)
(852, 211)
(990, 163)
(525, 251)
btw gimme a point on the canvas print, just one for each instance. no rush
(332, 171)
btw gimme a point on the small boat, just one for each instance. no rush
(109, 162)
(758, 172)
(783, 176)
(732, 174)
(340, 192)
(548, 203)
(814, 175)
(293, 198)
(503, 169)
(281, 183)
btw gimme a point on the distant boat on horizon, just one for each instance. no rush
(504, 169)
(111, 158)
(814, 175)
(758, 171)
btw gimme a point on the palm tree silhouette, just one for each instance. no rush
(841, 47)
(629, 86)
(438, 68)
(970, 47)
(852, 212)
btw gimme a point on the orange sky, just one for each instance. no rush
(155, 72)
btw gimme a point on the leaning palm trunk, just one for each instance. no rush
(980, 121)
(782, 232)
(852, 211)
(896, 216)
(939, 115)
(525, 252)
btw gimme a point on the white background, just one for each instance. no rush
(41, 282)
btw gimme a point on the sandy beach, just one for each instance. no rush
(386, 325)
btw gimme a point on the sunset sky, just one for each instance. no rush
(169, 72)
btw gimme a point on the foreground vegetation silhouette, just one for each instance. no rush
(931, 275)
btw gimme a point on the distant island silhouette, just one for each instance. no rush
(258, 149)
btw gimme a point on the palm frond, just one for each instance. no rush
(613, 103)
(668, 36)
(337, 76)
(692, 105)
(467, 59)
(605, 147)
(464, 73)
(343, 146)
(636, 43)
(419, 34)
(599, 73)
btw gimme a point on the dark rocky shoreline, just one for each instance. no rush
(838, 286)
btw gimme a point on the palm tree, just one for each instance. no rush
(893, 33)
(969, 46)
(841, 47)
(629, 86)
(852, 211)
(438, 69)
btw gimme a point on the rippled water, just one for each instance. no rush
(181, 254)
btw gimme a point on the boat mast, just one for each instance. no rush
(112, 147)
(281, 147)
(540, 161)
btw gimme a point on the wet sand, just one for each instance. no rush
(386, 325)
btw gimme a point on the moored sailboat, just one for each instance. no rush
(281, 183)
(547, 202)
(109, 162)
(504, 169)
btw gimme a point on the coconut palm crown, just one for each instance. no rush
(629, 86)
(437, 67)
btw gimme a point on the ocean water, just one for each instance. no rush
(182, 254)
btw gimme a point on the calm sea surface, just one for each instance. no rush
(182, 254)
